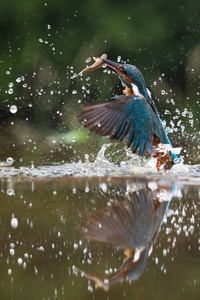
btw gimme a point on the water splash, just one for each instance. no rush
(111, 160)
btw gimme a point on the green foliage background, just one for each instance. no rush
(46, 41)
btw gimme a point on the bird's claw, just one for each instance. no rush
(159, 163)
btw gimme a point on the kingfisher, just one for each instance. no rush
(132, 117)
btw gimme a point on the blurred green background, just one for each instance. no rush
(44, 42)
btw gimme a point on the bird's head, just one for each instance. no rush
(128, 74)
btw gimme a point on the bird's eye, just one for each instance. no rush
(122, 70)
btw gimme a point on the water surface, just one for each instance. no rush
(41, 247)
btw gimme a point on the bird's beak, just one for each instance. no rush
(116, 67)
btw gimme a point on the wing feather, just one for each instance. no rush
(129, 118)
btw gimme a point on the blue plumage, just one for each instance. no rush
(132, 117)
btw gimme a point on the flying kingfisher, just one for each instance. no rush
(132, 117)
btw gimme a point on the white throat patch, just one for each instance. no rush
(135, 89)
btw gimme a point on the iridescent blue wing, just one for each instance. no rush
(129, 118)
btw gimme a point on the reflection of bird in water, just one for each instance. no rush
(132, 118)
(131, 225)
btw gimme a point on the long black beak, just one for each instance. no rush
(113, 66)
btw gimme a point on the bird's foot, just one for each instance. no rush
(159, 164)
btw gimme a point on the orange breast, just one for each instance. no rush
(127, 91)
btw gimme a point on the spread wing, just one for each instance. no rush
(129, 118)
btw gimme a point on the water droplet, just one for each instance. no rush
(12, 251)
(41, 248)
(172, 101)
(9, 271)
(10, 192)
(89, 261)
(88, 60)
(90, 288)
(41, 40)
(163, 92)
(20, 261)
(75, 246)
(190, 115)
(12, 245)
(191, 122)
(106, 282)
(9, 160)
(48, 26)
(18, 79)
(119, 58)
(10, 85)
(167, 112)
(10, 91)
(74, 92)
(14, 223)
(13, 109)
(164, 252)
